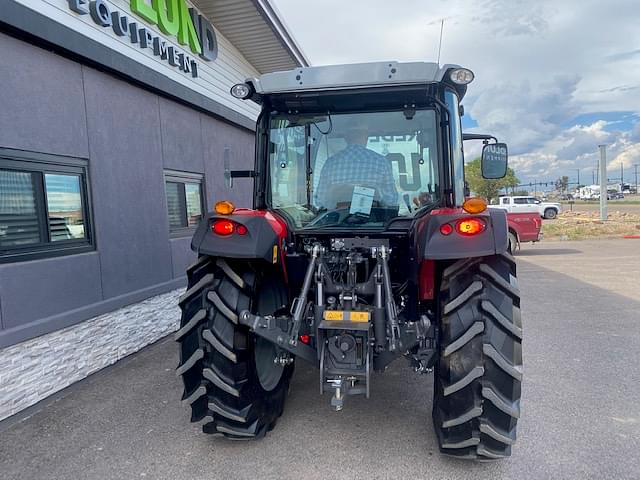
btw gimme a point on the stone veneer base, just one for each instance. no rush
(32, 370)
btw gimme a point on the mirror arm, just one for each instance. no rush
(229, 175)
(479, 136)
(242, 174)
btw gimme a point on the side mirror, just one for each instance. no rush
(494, 161)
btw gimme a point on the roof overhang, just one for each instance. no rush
(257, 30)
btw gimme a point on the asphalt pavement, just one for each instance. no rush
(580, 408)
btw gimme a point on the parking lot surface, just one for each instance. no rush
(580, 408)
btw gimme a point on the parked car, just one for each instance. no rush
(523, 227)
(611, 196)
(521, 204)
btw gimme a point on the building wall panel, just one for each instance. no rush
(127, 180)
(216, 136)
(41, 101)
(181, 137)
(181, 255)
(33, 290)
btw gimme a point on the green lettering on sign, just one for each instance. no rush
(168, 16)
(172, 17)
(144, 10)
(187, 33)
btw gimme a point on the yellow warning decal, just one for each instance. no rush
(336, 315)
(348, 316)
(359, 316)
(275, 254)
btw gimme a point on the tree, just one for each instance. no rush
(488, 189)
(562, 184)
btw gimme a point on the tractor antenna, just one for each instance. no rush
(440, 44)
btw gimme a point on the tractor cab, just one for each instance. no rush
(382, 143)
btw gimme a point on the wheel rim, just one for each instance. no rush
(269, 373)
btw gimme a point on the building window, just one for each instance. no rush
(184, 201)
(44, 207)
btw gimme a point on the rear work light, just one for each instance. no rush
(470, 226)
(241, 91)
(461, 76)
(227, 227)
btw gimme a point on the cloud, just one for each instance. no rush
(512, 17)
(629, 55)
(576, 148)
(582, 139)
(532, 119)
(545, 70)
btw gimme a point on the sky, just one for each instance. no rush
(554, 78)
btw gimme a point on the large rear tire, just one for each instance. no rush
(230, 378)
(479, 371)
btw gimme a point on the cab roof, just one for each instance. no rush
(353, 76)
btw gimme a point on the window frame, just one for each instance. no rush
(42, 164)
(457, 161)
(184, 178)
(267, 129)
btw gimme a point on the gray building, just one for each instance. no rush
(114, 119)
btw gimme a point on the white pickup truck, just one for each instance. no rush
(529, 204)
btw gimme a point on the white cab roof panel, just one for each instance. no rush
(376, 74)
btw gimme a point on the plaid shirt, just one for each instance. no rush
(357, 165)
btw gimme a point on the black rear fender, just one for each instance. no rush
(263, 239)
(434, 245)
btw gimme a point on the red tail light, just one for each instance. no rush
(223, 227)
(226, 227)
(470, 226)
(446, 229)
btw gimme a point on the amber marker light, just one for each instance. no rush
(474, 205)
(470, 226)
(224, 207)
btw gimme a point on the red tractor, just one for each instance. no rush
(360, 248)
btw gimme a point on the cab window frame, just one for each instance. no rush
(457, 163)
